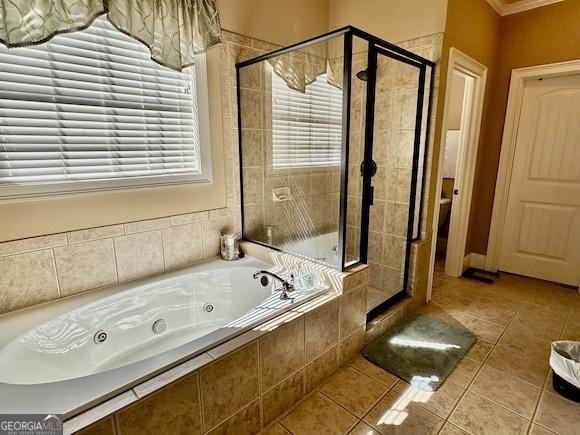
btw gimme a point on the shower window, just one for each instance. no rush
(90, 110)
(306, 126)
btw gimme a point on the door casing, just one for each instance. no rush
(508, 147)
(471, 121)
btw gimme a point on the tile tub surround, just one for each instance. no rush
(45, 268)
(245, 384)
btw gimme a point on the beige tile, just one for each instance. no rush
(85, 266)
(572, 328)
(552, 315)
(99, 412)
(454, 306)
(190, 218)
(545, 331)
(522, 356)
(500, 388)
(219, 398)
(440, 402)
(480, 350)
(282, 352)
(503, 302)
(378, 374)
(488, 311)
(32, 244)
(451, 429)
(321, 329)
(103, 427)
(558, 414)
(536, 429)
(464, 372)
(275, 429)
(396, 413)
(550, 295)
(485, 330)
(321, 369)
(139, 254)
(363, 429)
(156, 383)
(211, 236)
(283, 397)
(459, 287)
(182, 245)
(351, 346)
(27, 279)
(478, 415)
(319, 415)
(243, 422)
(147, 225)
(353, 310)
(353, 390)
(175, 409)
(94, 234)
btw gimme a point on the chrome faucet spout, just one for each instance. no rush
(287, 284)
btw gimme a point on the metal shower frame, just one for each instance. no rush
(376, 47)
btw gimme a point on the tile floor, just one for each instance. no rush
(502, 386)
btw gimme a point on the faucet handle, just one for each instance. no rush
(291, 277)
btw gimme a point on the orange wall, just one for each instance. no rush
(473, 27)
(281, 22)
(539, 36)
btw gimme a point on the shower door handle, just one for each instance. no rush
(372, 168)
(371, 195)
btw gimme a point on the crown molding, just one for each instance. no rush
(503, 8)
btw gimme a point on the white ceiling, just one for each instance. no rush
(508, 7)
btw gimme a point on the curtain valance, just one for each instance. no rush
(174, 30)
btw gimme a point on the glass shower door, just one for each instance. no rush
(393, 146)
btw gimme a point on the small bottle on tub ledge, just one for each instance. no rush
(230, 246)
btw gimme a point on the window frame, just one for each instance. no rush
(18, 191)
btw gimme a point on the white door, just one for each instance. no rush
(541, 237)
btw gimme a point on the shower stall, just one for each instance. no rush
(332, 145)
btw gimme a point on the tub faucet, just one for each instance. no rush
(287, 284)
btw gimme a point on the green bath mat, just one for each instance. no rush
(423, 350)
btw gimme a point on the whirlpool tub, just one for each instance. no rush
(90, 346)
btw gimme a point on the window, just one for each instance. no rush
(306, 127)
(91, 110)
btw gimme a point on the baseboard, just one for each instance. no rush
(474, 260)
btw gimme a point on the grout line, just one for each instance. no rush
(260, 383)
(113, 239)
(200, 398)
(58, 289)
(162, 249)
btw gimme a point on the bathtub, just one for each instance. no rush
(67, 355)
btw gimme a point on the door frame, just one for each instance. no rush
(518, 80)
(471, 115)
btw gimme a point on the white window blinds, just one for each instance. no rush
(306, 127)
(91, 109)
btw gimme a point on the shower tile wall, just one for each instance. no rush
(396, 93)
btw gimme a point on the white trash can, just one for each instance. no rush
(565, 364)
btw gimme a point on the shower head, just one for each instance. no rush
(363, 75)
